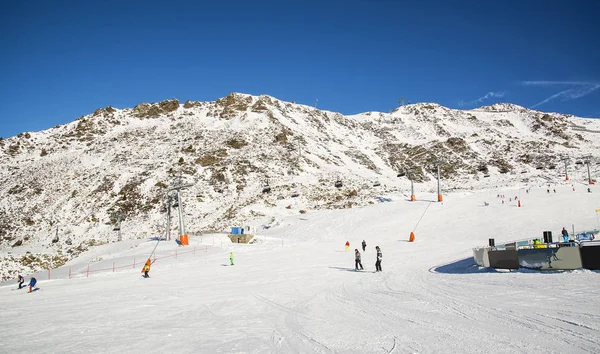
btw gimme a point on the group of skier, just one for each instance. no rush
(357, 257)
(31, 284)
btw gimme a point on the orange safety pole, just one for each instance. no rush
(519, 203)
(412, 237)
(439, 190)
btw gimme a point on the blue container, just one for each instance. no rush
(236, 230)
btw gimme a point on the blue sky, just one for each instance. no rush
(62, 60)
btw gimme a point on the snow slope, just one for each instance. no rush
(295, 290)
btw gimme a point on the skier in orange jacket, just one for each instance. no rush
(146, 268)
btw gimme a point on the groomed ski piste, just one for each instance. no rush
(296, 291)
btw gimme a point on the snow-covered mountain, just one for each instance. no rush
(77, 180)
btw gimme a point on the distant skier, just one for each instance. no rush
(357, 260)
(589, 190)
(364, 245)
(378, 263)
(231, 258)
(347, 246)
(21, 280)
(146, 268)
(565, 235)
(32, 283)
(554, 190)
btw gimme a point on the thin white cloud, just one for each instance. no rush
(482, 98)
(555, 83)
(576, 90)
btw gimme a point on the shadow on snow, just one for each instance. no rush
(468, 266)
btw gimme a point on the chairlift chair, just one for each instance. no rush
(486, 175)
(376, 184)
(338, 184)
(539, 167)
(266, 189)
(401, 174)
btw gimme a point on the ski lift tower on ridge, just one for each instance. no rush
(406, 173)
(117, 226)
(266, 187)
(439, 161)
(587, 161)
(566, 161)
(178, 188)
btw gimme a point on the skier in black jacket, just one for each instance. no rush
(364, 245)
(378, 263)
(357, 260)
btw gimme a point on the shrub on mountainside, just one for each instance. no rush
(236, 143)
(106, 185)
(458, 145)
(281, 138)
(190, 149)
(207, 160)
(14, 149)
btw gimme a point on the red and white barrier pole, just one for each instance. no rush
(134, 263)
(175, 254)
(87, 274)
(48, 273)
(113, 267)
(194, 249)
